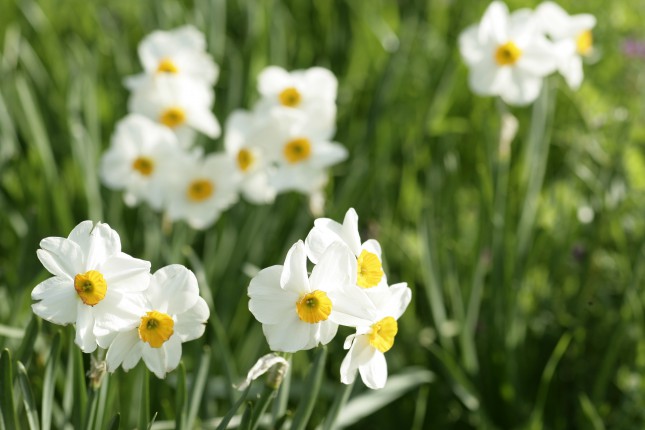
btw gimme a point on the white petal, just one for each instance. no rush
(132, 358)
(374, 372)
(523, 89)
(126, 274)
(572, 72)
(97, 242)
(494, 23)
(350, 231)
(328, 330)
(272, 80)
(269, 302)
(173, 289)
(190, 324)
(118, 312)
(359, 353)
(294, 272)
(204, 120)
(85, 338)
(58, 300)
(400, 297)
(469, 45)
(172, 350)
(335, 269)
(61, 257)
(122, 346)
(155, 359)
(289, 335)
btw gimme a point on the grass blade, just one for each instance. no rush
(49, 382)
(6, 391)
(28, 397)
(313, 381)
(198, 388)
(144, 405)
(181, 398)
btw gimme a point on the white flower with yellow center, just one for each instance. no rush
(301, 155)
(202, 190)
(508, 55)
(94, 282)
(312, 92)
(299, 312)
(572, 37)
(179, 103)
(368, 346)
(243, 143)
(181, 51)
(172, 314)
(140, 157)
(326, 232)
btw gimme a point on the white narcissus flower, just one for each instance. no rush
(368, 254)
(179, 103)
(203, 189)
(139, 161)
(368, 346)
(301, 155)
(312, 92)
(508, 55)
(298, 312)
(571, 36)
(173, 313)
(94, 282)
(181, 51)
(242, 141)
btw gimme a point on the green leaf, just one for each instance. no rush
(26, 349)
(198, 387)
(340, 399)
(231, 413)
(313, 382)
(181, 397)
(115, 422)
(6, 391)
(49, 382)
(31, 409)
(144, 405)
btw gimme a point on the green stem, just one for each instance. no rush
(312, 383)
(339, 402)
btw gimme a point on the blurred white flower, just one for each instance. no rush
(179, 103)
(181, 51)
(172, 314)
(140, 160)
(203, 189)
(572, 37)
(298, 312)
(242, 141)
(301, 155)
(368, 254)
(94, 282)
(508, 55)
(368, 345)
(312, 92)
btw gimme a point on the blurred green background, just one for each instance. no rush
(526, 266)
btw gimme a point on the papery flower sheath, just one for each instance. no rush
(93, 283)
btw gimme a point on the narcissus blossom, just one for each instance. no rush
(299, 312)
(204, 188)
(173, 313)
(243, 143)
(368, 254)
(572, 37)
(140, 160)
(368, 346)
(507, 54)
(179, 52)
(94, 282)
(181, 104)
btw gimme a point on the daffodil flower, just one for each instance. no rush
(369, 265)
(507, 54)
(368, 346)
(139, 161)
(173, 313)
(179, 52)
(298, 311)
(243, 143)
(179, 103)
(94, 282)
(572, 37)
(203, 189)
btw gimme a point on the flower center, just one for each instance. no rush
(90, 287)
(507, 54)
(245, 159)
(290, 97)
(370, 271)
(144, 165)
(173, 117)
(383, 332)
(313, 307)
(200, 189)
(584, 42)
(156, 328)
(297, 150)
(167, 66)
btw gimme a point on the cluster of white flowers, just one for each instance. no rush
(282, 145)
(509, 54)
(347, 286)
(115, 302)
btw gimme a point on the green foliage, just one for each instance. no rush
(525, 312)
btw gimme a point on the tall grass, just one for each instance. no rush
(523, 316)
